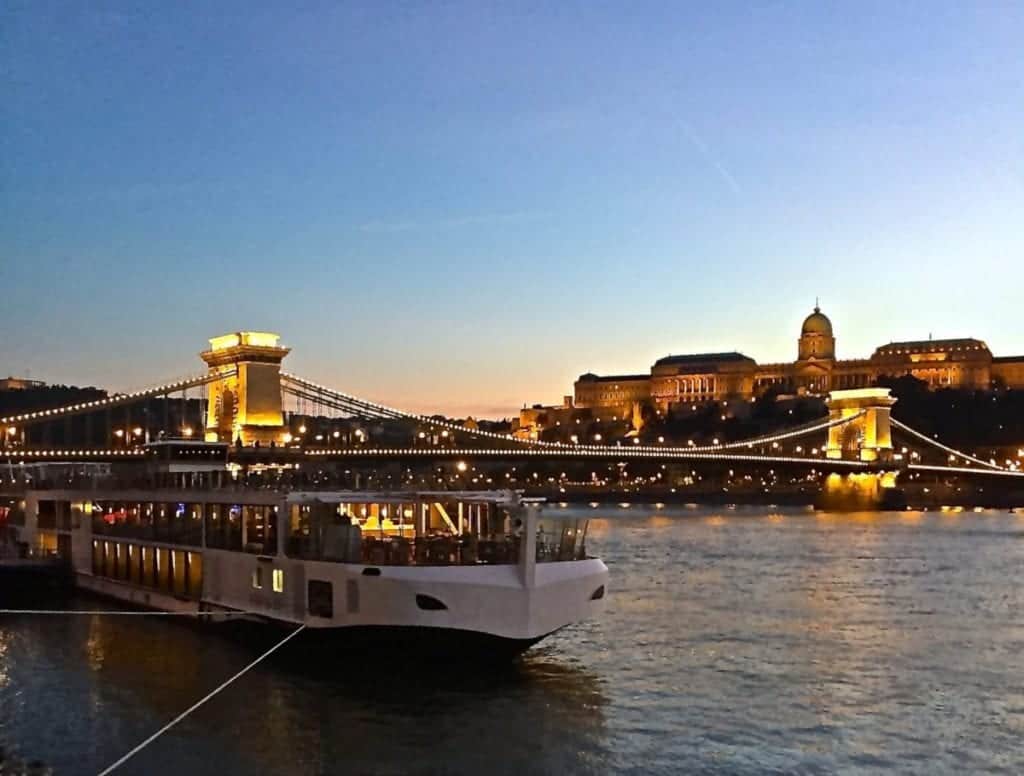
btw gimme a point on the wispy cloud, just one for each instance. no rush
(701, 146)
(455, 222)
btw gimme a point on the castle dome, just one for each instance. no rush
(817, 323)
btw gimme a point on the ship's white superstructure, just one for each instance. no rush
(448, 568)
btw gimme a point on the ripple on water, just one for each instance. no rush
(799, 644)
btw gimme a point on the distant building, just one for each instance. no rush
(699, 378)
(19, 384)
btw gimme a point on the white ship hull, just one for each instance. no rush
(500, 607)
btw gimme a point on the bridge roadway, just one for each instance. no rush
(291, 455)
(379, 455)
(566, 453)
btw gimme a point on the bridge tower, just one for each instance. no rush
(869, 436)
(246, 402)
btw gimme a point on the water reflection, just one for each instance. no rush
(734, 642)
(300, 712)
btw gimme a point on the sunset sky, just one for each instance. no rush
(462, 206)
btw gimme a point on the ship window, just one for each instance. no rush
(260, 529)
(278, 580)
(320, 598)
(429, 603)
(46, 514)
(224, 526)
(352, 596)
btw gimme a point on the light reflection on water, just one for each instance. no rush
(734, 641)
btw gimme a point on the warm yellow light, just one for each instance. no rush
(11, 430)
(119, 432)
(187, 431)
(260, 339)
(224, 342)
(287, 438)
(461, 466)
(137, 431)
(302, 429)
(256, 339)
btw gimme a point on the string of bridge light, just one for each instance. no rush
(385, 411)
(391, 412)
(62, 451)
(945, 448)
(964, 470)
(121, 398)
(394, 413)
(781, 437)
(625, 452)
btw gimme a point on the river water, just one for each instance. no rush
(733, 642)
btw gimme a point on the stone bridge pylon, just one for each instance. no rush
(245, 403)
(868, 437)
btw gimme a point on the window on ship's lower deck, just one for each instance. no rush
(320, 598)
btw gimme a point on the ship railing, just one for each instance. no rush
(441, 549)
(398, 550)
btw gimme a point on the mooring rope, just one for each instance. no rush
(110, 768)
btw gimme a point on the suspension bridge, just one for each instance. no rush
(240, 403)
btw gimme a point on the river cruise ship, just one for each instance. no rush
(454, 570)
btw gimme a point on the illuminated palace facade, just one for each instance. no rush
(693, 379)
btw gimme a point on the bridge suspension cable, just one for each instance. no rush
(945, 448)
(353, 407)
(117, 400)
(964, 470)
(782, 436)
(298, 386)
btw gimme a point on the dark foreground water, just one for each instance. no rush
(733, 642)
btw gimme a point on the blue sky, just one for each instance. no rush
(462, 206)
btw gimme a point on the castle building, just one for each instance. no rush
(19, 384)
(697, 378)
